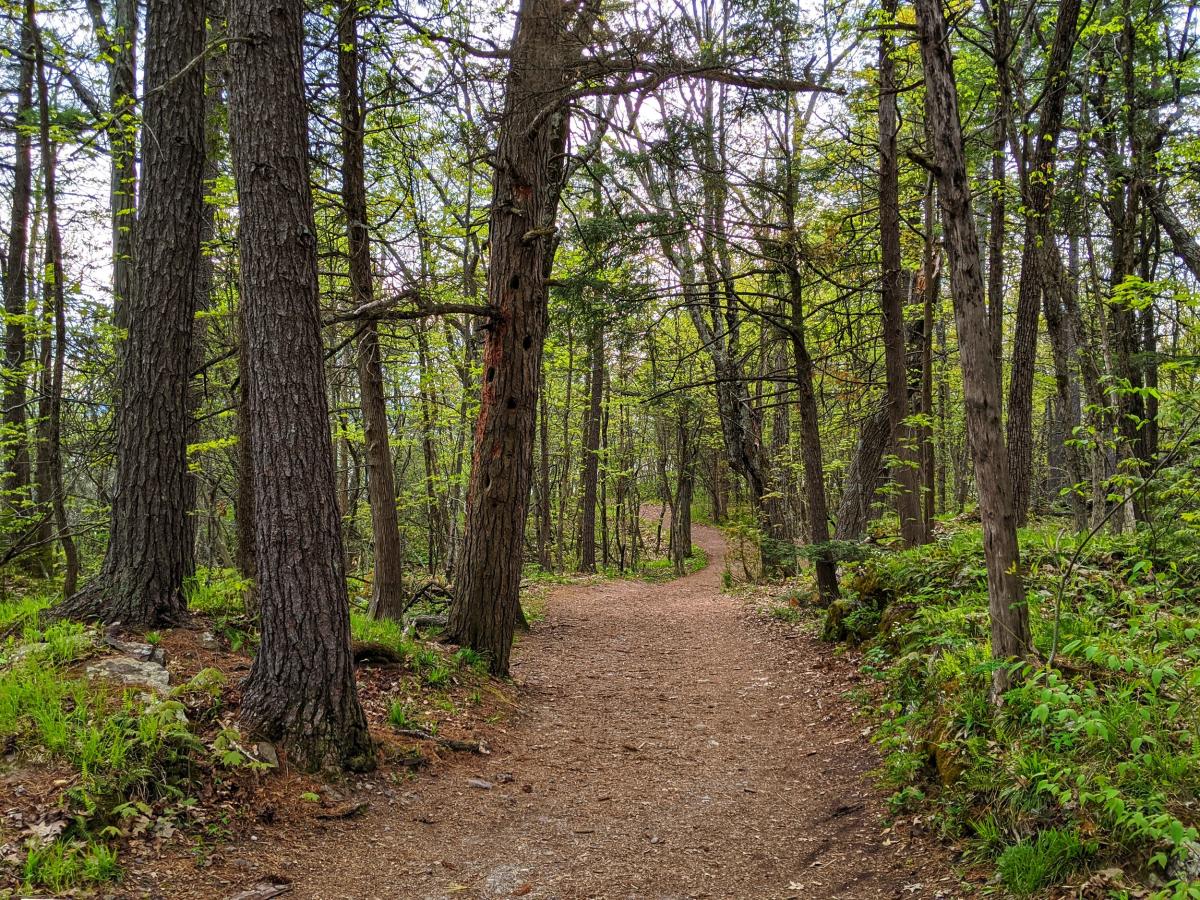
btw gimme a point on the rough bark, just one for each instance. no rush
(864, 475)
(1010, 634)
(247, 553)
(140, 583)
(526, 185)
(387, 586)
(301, 690)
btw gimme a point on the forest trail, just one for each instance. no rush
(664, 748)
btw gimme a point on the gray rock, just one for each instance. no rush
(132, 672)
(1185, 865)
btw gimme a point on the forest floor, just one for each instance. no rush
(667, 744)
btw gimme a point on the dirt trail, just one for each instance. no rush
(664, 748)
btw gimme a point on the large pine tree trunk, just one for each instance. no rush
(301, 690)
(16, 437)
(387, 591)
(526, 186)
(141, 580)
(1010, 635)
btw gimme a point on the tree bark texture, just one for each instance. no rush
(301, 690)
(140, 583)
(526, 185)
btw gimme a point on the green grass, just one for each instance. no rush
(1104, 744)
(402, 716)
(62, 865)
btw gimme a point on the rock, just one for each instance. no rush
(209, 642)
(479, 783)
(24, 651)
(137, 650)
(267, 753)
(132, 672)
(894, 615)
(1185, 863)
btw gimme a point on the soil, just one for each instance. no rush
(666, 744)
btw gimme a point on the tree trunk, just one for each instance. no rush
(526, 185)
(864, 475)
(907, 473)
(543, 521)
(591, 452)
(55, 300)
(247, 554)
(1038, 234)
(118, 41)
(387, 587)
(141, 581)
(680, 542)
(301, 690)
(1010, 634)
(17, 465)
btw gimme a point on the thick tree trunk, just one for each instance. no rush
(1010, 634)
(387, 587)
(806, 406)
(17, 466)
(907, 473)
(1038, 234)
(528, 171)
(141, 581)
(301, 690)
(589, 479)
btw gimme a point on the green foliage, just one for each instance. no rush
(1047, 859)
(402, 716)
(1094, 760)
(62, 865)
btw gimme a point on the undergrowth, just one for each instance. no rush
(125, 764)
(1092, 762)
